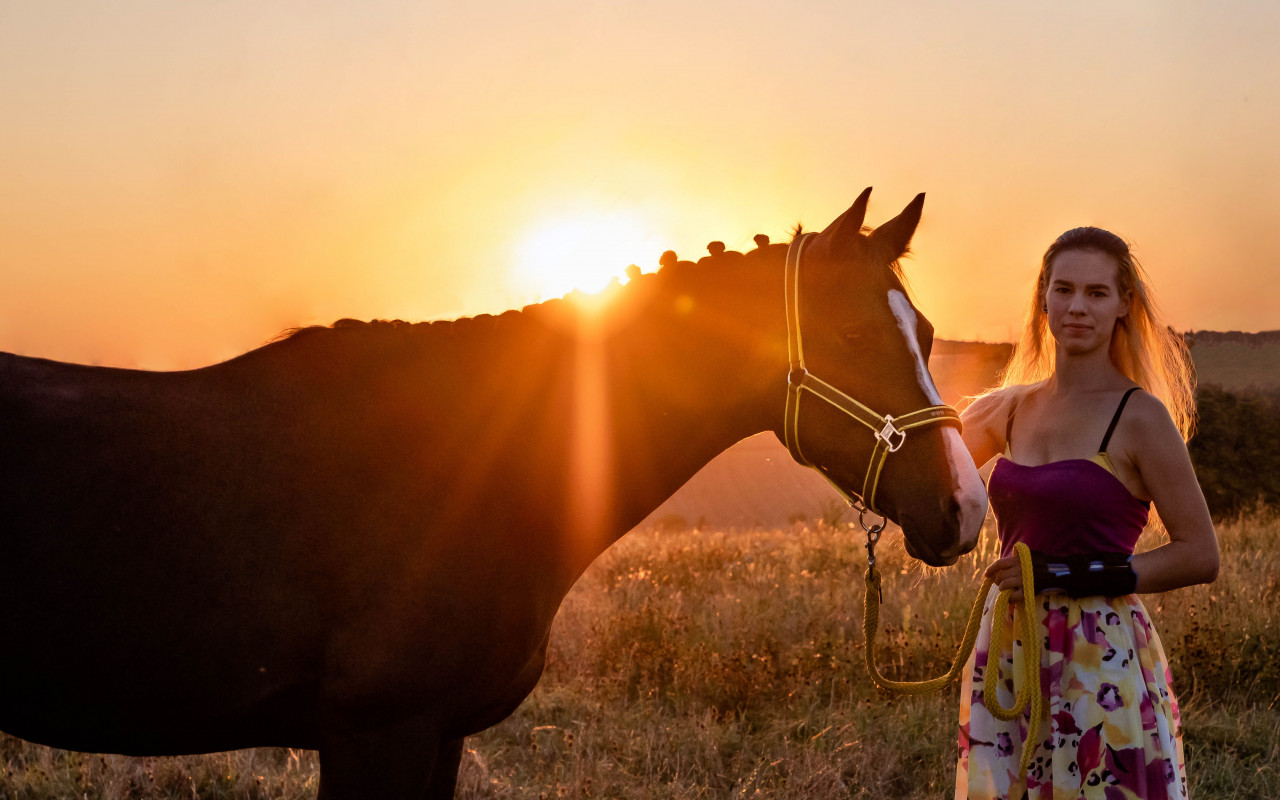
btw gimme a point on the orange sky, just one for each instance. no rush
(179, 182)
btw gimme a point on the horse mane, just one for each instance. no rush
(668, 279)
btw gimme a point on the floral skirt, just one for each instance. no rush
(1111, 729)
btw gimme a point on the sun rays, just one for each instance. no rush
(592, 461)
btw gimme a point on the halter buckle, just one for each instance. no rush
(796, 376)
(889, 431)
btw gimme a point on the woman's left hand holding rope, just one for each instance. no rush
(1006, 573)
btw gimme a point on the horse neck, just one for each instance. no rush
(566, 425)
(686, 367)
(690, 385)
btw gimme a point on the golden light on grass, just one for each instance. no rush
(591, 472)
(582, 251)
(733, 659)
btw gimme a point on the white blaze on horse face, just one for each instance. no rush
(905, 314)
(970, 494)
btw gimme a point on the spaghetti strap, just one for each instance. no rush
(1114, 419)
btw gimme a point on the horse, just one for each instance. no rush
(354, 538)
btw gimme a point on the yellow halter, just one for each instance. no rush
(890, 432)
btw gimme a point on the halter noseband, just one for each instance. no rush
(890, 432)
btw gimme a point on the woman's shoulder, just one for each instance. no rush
(983, 409)
(1148, 416)
(997, 404)
(987, 418)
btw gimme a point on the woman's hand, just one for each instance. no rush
(1006, 573)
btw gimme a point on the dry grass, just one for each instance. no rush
(1237, 365)
(724, 665)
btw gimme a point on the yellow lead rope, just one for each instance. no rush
(1027, 684)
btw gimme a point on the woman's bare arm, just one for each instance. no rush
(1191, 554)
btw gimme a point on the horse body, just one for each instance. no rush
(355, 539)
(242, 513)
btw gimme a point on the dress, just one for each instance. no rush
(1112, 728)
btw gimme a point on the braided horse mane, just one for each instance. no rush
(671, 278)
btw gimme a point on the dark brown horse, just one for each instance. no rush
(355, 539)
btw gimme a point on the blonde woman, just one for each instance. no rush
(1089, 427)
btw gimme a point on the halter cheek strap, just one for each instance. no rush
(890, 432)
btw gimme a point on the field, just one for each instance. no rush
(729, 664)
(1237, 360)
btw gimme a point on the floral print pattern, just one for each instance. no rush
(1111, 729)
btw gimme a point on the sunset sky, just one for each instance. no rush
(181, 181)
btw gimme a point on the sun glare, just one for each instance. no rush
(583, 252)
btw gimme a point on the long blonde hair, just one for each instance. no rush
(1143, 347)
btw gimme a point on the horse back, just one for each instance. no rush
(138, 549)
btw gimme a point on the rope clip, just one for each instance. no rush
(873, 536)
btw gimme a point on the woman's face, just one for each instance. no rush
(1083, 300)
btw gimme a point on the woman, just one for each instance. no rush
(1090, 426)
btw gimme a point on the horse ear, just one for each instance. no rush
(848, 226)
(896, 234)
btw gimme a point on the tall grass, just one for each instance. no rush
(729, 664)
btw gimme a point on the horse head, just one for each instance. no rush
(862, 408)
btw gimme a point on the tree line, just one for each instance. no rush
(1236, 449)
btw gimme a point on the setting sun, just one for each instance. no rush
(582, 252)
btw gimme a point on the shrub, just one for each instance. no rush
(1236, 450)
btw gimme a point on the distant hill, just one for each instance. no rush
(1253, 340)
(964, 369)
(1231, 360)
(755, 484)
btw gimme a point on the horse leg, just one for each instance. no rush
(444, 775)
(396, 762)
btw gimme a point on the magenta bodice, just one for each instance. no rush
(1063, 508)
